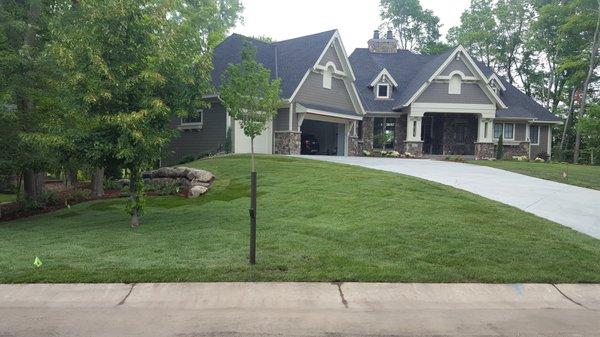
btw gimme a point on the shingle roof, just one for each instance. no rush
(411, 70)
(288, 59)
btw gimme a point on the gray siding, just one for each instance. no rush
(331, 55)
(471, 93)
(457, 65)
(281, 122)
(543, 144)
(210, 138)
(312, 91)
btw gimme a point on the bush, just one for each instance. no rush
(543, 155)
(112, 184)
(228, 140)
(77, 195)
(48, 198)
(408, 155)
(367, 153)
(539, 160)
(520, 158)
(186, 159)
(500, 149)
(394, 154)
(166, 188)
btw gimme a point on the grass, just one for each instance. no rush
(317, 221)
(7, 197)
(579, 175)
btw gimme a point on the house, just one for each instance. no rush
(379, 97)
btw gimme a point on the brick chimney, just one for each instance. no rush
(379, 45)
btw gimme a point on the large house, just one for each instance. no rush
(379, 97)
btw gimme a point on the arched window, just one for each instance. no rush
(455, 84)
(327, 75)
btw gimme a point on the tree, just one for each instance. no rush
(593, 62)
(500, 148)
(134, 65)
(589, 127)
(251, 98)
(28, 94)
(415, 27)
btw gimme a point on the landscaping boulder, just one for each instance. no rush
(197, 191)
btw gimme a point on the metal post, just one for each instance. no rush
(252, 218)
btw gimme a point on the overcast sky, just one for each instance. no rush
(355, 19)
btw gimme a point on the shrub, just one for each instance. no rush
(500, 148)
(520, 158)
(228, 140)
(539, 160)
(367, 153)
(394, 154)
(46, 199)
(408, 155)
(112, 184)
(77, 195)
(543, 155)
(164, 188)
(186, 160)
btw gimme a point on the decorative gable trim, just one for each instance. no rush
(495, 77)
(386, 73)
(474, 68)
(346, 73)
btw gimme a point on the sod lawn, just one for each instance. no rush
(579, 175)
(317, 221)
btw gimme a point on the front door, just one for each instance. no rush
(427, 133)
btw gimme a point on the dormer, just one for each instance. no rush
(496, 84)
(383, 84)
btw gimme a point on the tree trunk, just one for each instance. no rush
(98, 182)
(252, 153)
(134, 198)
(252, 210)
(33, 183)
(588, 78)
(569, 117)
(71, 178)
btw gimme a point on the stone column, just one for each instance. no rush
(287, 142)
(400, 134)
(484, 146)
(413, 143)
(367, 134)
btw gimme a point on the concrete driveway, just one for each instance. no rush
(572, 206)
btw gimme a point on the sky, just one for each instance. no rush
(355, 19)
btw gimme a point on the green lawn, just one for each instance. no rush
(578, 175)
(317, 221)
(7, 197)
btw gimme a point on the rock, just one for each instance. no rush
(198, 183)
(123, 182)
(199, 175)
(197, 191)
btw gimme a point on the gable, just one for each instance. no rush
(337, 97)
(457, 65)
(331, 55)
(437, 92)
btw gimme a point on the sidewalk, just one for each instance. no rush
(299, 309)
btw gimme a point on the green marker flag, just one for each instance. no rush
(37, 262)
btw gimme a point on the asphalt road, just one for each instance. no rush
(299, 309)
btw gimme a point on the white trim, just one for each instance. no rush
(355, 99)
(334, 37)
(308, 71)
(387, 96)
(193, 125)
(487, 89)
(485, 110)
(291, 117)
(382, 73)
(497, 79)
(549, 141)
(512, 138)
(303, 109)
(455, 88)
(548, 122)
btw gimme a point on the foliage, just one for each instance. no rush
(134, 66)
(500, 148)
(589, 126)
(77, 194)
(47, 198)
(229, 140)
(416, 28)
(164, 188)
(249, 94)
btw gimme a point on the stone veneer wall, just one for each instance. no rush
(485, 151)
(355, 146)
(414, 148)
(522, 149)
(449, 145)
(367, 134)
(287, 142)
(400, 134)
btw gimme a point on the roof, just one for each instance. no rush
(412, 70)
(287, 59)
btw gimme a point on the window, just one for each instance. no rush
(497, 130)
(506, 130)
(383, 133)
(455, 85)
(534, 134)
(509, 131)
(327, 75)
(196, 120)
(383, 91)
